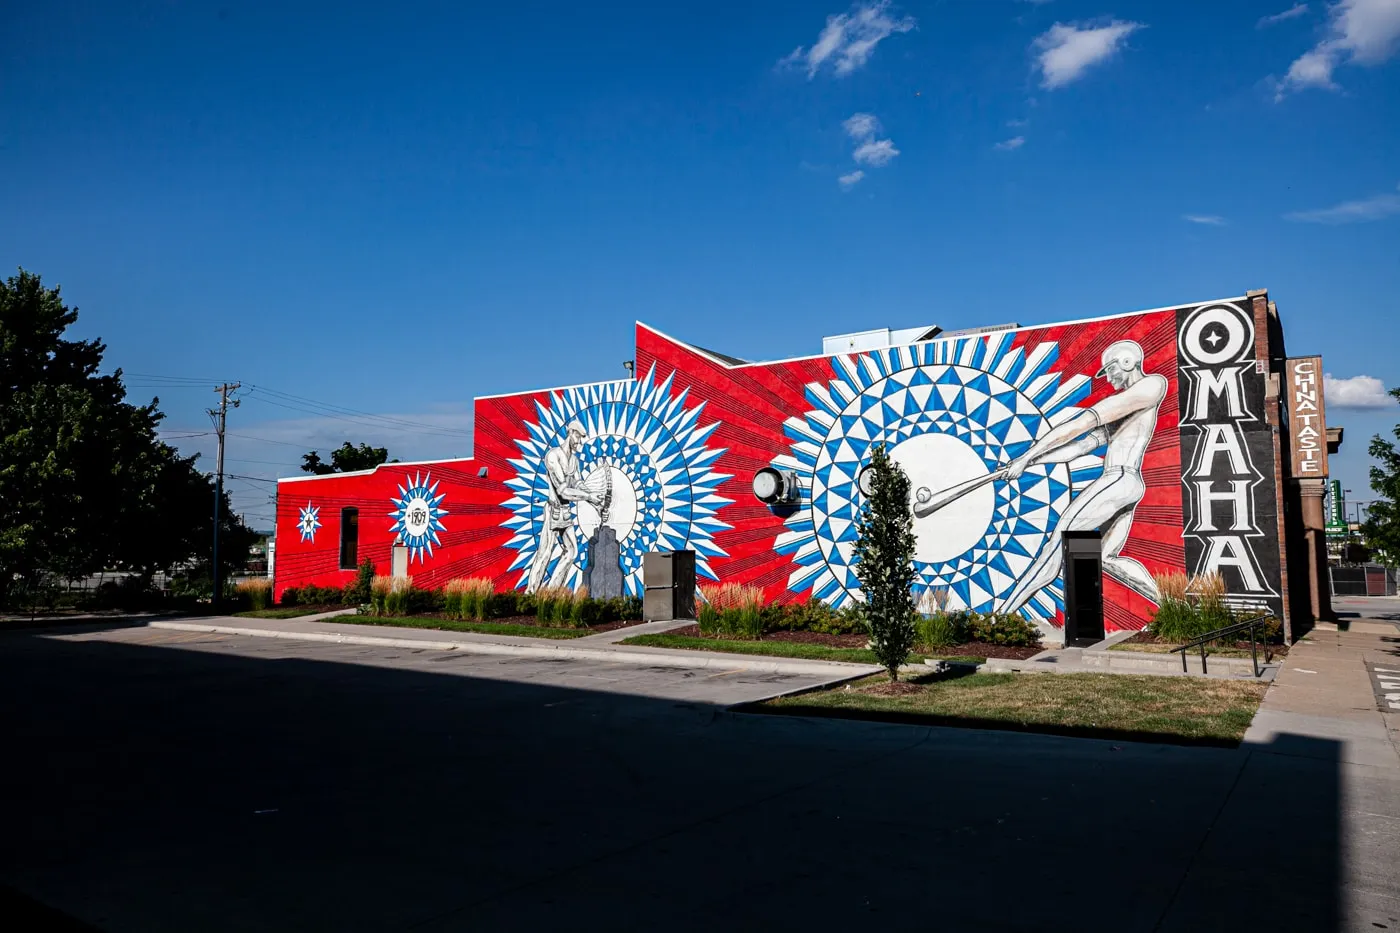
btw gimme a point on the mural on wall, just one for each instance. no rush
(418, 515)
(625, 462)
(1230, 515)
(308, 521)
(990, 426)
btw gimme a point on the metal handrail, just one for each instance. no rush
(1253, 623)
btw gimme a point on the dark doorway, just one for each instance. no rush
(1083, 587)
(349, 539)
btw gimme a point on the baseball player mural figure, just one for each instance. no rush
(565, 488)
(1124, 422)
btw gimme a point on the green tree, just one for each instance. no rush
(85, 484)
(884, 556)
(1382, 525)
(345, 459)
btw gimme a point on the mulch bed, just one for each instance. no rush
(896, 688)
(1147, 638)
(972, 648)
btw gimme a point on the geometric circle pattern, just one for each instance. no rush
(418, 516)
(308, 521)
(992, 398)
(648, 434)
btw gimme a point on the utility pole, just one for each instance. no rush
(220, 416)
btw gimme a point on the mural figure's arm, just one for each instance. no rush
(1142, 395)
(925, 504)
(563, 488)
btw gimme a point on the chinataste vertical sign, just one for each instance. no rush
(1227, 455)
(1307, 417)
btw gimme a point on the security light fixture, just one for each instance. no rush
(629, 365)
(775, 487)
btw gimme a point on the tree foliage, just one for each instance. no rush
(1382, 525)
(884, 554)
(85, 484)
(345, 459)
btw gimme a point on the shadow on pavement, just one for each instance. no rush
(155, 788)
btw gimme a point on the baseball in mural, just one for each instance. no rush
(1123, 423)
(954, 415)
(308, 521)
(418, 516)
(628, 455)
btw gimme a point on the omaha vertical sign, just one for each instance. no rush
(1307, 417)
(1227, 456)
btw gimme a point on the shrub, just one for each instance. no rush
(996, 628)
(631, 608)
(290, 596)
(257, 592)
(357, 593)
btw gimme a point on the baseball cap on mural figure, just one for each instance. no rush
(1126, 353)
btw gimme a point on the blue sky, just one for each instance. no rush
(396, 208)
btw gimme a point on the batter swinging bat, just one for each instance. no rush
(928, 503)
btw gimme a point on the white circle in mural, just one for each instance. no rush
(622, 510)
(1215, 335)
(937, 462)
(417, 515)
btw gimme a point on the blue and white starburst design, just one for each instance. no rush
(309, 521)
(418, 515)
(978, 390)
(654, 448)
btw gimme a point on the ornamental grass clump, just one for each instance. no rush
(937, 627)
(256, 592)
(559, 606)
(468, 598)
(389, 596)
(732, 610)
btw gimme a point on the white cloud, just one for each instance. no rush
(1376, 207)
(1210, 220)
(1293, 12)
(848, 181)
(1065, 52)
(1363, 32)
(875, 152)
(849, 39)
(1017, 124)
(1015, 142)
(1355, 392)
(861, 125)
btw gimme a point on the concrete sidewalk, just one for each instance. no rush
(1325, 690)
(329, 630)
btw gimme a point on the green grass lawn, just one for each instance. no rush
(452, 625)
(776, 649)
(1188, 710)
(283, 612)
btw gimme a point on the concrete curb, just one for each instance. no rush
(621, 654)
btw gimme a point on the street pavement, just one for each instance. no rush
(164, 780)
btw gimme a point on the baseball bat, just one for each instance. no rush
(933, 504)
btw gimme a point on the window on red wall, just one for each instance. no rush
(349, 539)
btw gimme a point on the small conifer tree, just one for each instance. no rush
(884, 556)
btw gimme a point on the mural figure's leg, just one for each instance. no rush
(1096, 506)
(1124, 569)
(567, 559)
(543, 551)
